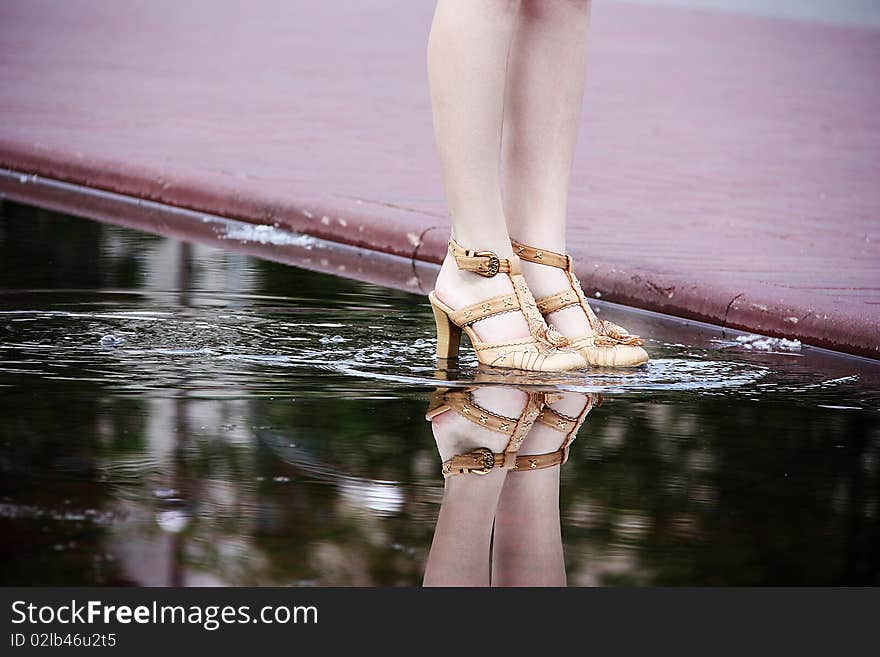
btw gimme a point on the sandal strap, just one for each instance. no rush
(553, 302)
(542, 256)
(504, 303)
(484, 263)
(461, 401)
(482, 461)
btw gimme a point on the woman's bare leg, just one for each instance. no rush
(544, 97)
(467, 68)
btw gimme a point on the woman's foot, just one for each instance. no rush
(565, 308)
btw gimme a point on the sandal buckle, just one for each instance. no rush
(486, 457)
(493, 266)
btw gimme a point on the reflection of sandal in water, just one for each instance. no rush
(566, 424)
(544, 350)
(482, 460)
(606, 344)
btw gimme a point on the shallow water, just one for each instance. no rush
(179, 414)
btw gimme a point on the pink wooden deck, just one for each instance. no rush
(728, 168)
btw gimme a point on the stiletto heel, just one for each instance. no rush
(448, 334)
(543, 350)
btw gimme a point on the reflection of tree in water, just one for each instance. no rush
(719, 493)
(56, 434)
(58, 509)
(80, 446)
(41, 249)
(360, 517)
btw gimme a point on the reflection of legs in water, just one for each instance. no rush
(460, 550)
(527, 549)
(528, 539)
(521, 503)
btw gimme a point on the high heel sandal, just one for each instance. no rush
(482, 460)
(607, 344)
(543, 350)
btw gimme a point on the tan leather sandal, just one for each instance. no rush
(544, 350)
(482, 460)
(607, 344)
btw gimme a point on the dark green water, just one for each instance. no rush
(181, 415)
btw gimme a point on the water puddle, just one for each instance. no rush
(183, 415)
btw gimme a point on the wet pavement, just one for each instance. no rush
(177, 414)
